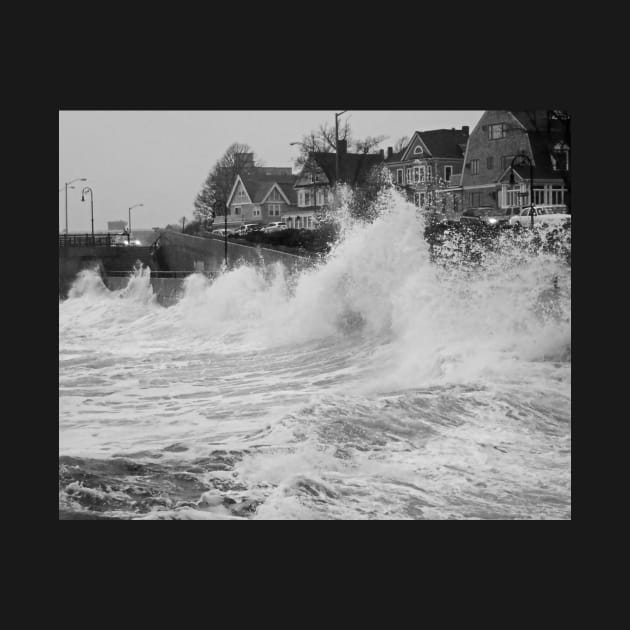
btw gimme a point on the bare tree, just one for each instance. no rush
(400, 144)
(211, 200)
(369, 143)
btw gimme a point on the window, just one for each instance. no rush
(256, 212)
(422, 198)
(237, 211)
(495, 132)
(560, 157)
(399, 176)
(474, 167)
(418, 150)
(429, 173)
(422, 173)
(490, 163)
(409, 176)
(416, 173)
(304, 198)
(448, 171)
(416, 199)
(274, 209)
(309, 222)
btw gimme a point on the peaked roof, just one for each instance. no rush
(258, 184)
(444, 142)
(353, 167)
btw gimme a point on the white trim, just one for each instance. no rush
(405, 158)
(275, 185)
(236, 181)
(480, 186)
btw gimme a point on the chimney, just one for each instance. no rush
(342, 146)
(466, 129)
(390, 152)
(382, 153)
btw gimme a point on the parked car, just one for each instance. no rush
(542, 217)
(275, 227)
(485, 215)
(246, 228)
(221, 232)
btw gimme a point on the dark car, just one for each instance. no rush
(485, 215)
(247, 228)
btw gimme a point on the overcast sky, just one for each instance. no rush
(161, 158)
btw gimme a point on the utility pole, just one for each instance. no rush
(337, 151)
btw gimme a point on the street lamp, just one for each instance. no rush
(531, 180)
(78, 179)
(129, 224)
(88, 189)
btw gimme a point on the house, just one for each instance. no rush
(262, 195)
(315, 182)
(430, 166)
(499, 136)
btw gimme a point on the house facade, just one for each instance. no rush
(430, 167)
(497, 139)
(315, 183)
(262, 196)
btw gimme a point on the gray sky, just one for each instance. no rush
(161, 158)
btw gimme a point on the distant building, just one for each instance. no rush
(116, 226)
(430, 165)
(497, 138)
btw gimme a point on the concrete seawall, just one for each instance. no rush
(167, 290)
(181, 252)
(105, 259)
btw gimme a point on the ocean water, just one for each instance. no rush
(376, 385)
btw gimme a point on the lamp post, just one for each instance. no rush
(78, 179)
(129, 224)
(531, 180)
(88, 189)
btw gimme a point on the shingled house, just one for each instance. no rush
(430, 165)
(316, 180)
(262, 196)
(497, 138)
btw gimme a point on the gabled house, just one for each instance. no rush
(315, 182)
(499, 136)
(430, 165)
(261, 196)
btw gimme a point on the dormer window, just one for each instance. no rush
(418, 150)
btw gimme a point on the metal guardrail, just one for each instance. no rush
(86, 240)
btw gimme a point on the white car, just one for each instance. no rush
(275, 227)
(222, 232)
(542, 216)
